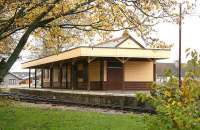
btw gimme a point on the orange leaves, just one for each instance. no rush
(160, 44)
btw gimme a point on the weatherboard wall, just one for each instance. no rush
(139, 71)
(138, 75)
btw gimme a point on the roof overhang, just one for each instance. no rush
(101, 52)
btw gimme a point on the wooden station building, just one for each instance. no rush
(119, 64)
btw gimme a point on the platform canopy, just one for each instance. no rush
(123, 47)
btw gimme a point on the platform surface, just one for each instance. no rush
(130, 93)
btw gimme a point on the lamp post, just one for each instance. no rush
(180, 36)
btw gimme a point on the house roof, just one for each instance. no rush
(125, 46)
(21, 75)
(15, 76)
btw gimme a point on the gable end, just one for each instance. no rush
(130, 44)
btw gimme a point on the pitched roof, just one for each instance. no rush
(111, 43)
(114, 43)
(125, 46)
(14, 75)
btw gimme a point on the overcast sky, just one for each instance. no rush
(169, 33)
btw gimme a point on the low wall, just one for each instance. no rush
(106, 100)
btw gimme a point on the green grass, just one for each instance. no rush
(32, 118)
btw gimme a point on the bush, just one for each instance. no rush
(177, 108)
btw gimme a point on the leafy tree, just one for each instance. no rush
(65, 21)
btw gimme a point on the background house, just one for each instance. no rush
(162, 67)
(16, 79)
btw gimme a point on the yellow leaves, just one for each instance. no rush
(31, 15)
(186, 94)
(125, 33)
(35, 13)
(19, 22)
(58, 9)
(6, 45)
(31, 48)
(55, 38)
(150, 5)
(160, 44)
(88, 18)
(179, 104)
(167, 93)
(173, 103)
(65, 7)
(185, 91)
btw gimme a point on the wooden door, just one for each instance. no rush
(115, 76)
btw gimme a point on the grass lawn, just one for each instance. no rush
(33, 118)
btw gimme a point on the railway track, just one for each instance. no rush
(42, 100)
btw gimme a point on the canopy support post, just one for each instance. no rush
(29, 78)
(35, 78)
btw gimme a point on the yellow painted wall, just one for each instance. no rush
(80, 68)
(55, 74)
(129, 44)
(64, 73)
(69, 73)
(94, 71)
(46, 79)
(138, 71)
(105, 70)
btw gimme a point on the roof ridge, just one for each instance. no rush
(138, 43)
(112, 40)
(15, 75)
(122, 42)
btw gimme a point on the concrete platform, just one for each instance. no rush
(85, 92)
(110, 99)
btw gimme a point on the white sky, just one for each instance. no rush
(169, 33)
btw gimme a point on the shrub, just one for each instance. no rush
(177, 108)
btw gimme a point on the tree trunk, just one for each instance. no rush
(14, 56)
(4, 68)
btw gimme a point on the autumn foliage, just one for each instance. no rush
(56, 23)
(68, 21)
(177, 108)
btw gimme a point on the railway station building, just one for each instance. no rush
(118, 64)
